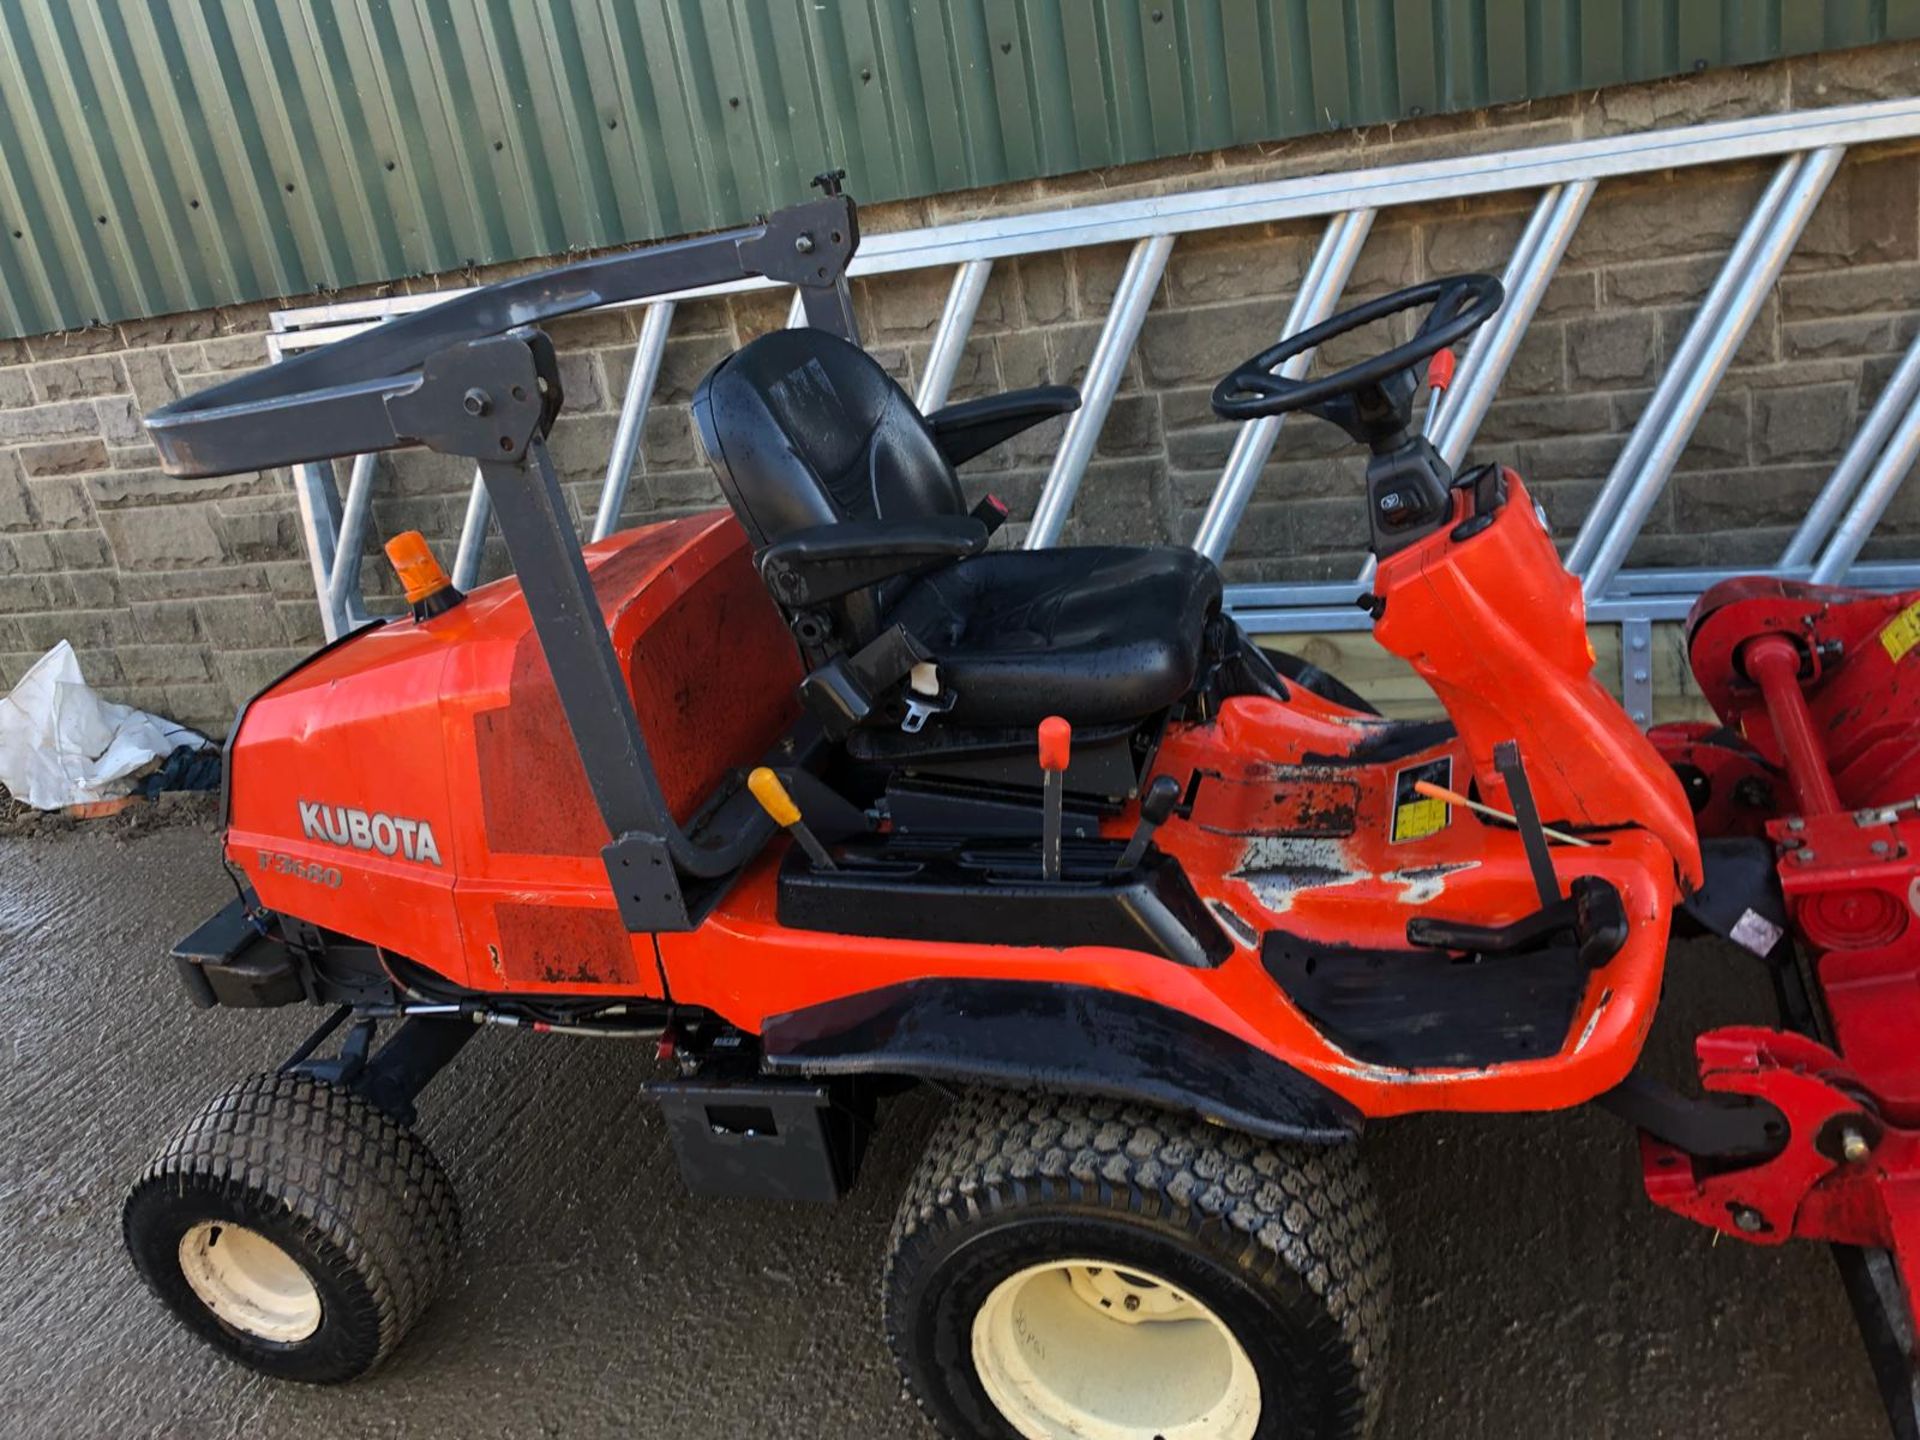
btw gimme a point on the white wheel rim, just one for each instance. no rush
(250, 1282)
(1093, 1351)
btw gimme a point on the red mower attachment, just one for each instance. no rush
(1845, 1176)
(1819, 691)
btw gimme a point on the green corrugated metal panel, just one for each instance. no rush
(165, 155)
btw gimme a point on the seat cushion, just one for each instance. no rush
(1098, 635)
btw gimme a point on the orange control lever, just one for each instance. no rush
(1056, 744)
(1056, 750)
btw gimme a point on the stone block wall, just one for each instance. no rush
(186, 596)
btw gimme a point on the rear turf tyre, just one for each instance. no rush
(1065, 1266)
(296, 1227)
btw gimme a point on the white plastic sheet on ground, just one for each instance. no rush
(61, 744)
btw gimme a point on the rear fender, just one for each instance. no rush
(1075, 1038)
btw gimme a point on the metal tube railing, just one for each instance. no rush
(1109, 362)
(1536, 259)
(950, 336)
(1900, 391)
(1641, 473)
(1685, 360)
(1883, 483)
(472, 549)
(1851, 502)
(1320, 290)
(1289, 615)
(318, 500)
(648, 352)
(344, 583)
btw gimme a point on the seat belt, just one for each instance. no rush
(841, 693)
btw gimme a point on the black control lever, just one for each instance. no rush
(1526, 818)
(1155, 806)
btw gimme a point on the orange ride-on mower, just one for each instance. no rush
(824, 796)
(1818, 754)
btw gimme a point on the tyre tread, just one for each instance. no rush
(1271, 1208)
(344, 1169)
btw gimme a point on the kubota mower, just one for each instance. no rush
(824, 795)
(1818, 693)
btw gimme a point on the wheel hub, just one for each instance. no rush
(1085, 1349)
(249, 1282)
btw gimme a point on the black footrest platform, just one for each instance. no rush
(1420, 1008)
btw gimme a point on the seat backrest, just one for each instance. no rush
(804, 429)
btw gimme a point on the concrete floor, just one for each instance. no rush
(1539, 1295)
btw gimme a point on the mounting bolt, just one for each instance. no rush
(1796, 823)
(803, 244)
(1803, 856)
(1132, 1302)
(1854, 1147)
(476, 402)
(1879, 847)
(1639, 642)
(1749, 1219)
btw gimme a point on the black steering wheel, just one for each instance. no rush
(1461, 304)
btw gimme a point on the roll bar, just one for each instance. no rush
(476, 377)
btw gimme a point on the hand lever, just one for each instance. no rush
(1056, 747)
(778, 804)
(1155, 806)
(1526, 818)
(1439, 381)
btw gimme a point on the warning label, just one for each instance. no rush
(1902, 633)
(1416, 816)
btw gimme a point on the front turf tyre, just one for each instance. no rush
(1066, 1266)
(296, 1227)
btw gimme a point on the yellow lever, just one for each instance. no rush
(773, 797)
(778, 804)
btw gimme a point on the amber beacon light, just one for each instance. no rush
(428, 589)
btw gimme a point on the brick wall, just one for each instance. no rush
(186, 596)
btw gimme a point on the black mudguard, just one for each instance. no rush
(1064, 1037)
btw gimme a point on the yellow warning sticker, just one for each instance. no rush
(1902, 633)
(1418, 819)
(1416, 816)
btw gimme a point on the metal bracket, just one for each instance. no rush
(1636, 670)
(645, 885)
(482, 398)
(1711, 1127)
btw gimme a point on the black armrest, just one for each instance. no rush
(830, 560)
(965, 430)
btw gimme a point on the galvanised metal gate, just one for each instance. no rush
(1809, 147)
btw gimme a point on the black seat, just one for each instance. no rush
(861, 529)
(1097, 635)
